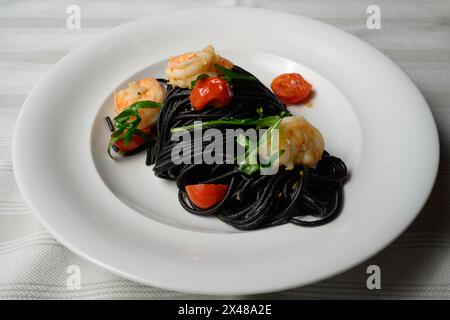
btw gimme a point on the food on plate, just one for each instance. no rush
(137, 108)
(212, 91)
(301, 142)
(291, 88)
(282, 174)
(184, 68)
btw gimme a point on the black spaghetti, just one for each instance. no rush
(303, 195)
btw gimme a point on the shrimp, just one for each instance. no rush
(185, 68)
(299, 141)
(302, 143)
(141, 90)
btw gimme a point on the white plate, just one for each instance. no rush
(120, 216)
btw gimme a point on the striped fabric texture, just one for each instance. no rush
(33, 37)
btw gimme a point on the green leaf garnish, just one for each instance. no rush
(126, 123)
(272, 159)
(200, 77)
(223, 121)
(249, 164)
(258, 123)
(268, 121)
(230, 75)
(260, 112)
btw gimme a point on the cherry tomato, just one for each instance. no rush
(291, 88)
(211, 91)
(135, 142)
(205, 196)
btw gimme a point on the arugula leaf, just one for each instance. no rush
(267, 122)
(230, 75)
(260, 112)
(141, 105)
(258, 123)
(200, 77)
(248, 163)
(223, 121)
(272, 159)
(127, 122)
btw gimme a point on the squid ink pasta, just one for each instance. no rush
(307, 188)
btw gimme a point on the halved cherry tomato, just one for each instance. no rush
(205, 196)
(135, 142)
(211, 91)
(291, 88)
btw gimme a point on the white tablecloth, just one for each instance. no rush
(33, 37)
